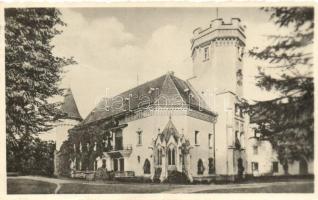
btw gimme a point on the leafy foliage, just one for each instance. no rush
(86, 143)
(288, 121)
(177, 177)
(32, 76)
(32, 156)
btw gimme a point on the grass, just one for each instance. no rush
(290, 188)
(27, 186)
(24, 186)
(71, 188)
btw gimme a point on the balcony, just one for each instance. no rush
(121, 151)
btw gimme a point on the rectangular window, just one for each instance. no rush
(206, 53)
(121, 164)
(115, 165)
(254, 166)
(210, 140)
(275, 167)
(139, 138)
(255, 150)
(196, 134)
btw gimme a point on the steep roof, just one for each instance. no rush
(169, 131)
(166, 89)
(69, 106)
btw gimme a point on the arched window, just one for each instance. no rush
(159, 156)
(200, 167)
(147, 167)
(173, 161)
(171, 156)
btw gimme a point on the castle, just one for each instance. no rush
(194, 126)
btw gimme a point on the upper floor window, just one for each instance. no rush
(206, 53)
(255, 150)
(210, 140)
(139, 139)
(196, 135)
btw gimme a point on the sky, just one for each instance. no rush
(118, 48)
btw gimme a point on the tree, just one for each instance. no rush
(287, 120)
(32, 75)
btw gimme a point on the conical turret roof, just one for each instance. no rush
(69, 106)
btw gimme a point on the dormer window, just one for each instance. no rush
(206, 53)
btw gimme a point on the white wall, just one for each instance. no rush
(60, 132)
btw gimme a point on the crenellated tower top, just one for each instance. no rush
(217, 54)
(218, 30)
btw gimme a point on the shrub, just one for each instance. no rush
(177, 178)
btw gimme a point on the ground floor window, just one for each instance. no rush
(211, 166)
(147, 167)
(159, 157)
(115, 165)
(200, 167)
(171, 156)
(122, 167)
(275, 167)
(254, 166)
(104, 164)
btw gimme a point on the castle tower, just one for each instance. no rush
(217, 54)
(71, 118)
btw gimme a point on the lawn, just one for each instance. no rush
(77, 188)
(290, 188)
(24, 186)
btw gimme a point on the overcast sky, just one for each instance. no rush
(113, 45)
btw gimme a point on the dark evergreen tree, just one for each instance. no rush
(287, 120)
(32, 77)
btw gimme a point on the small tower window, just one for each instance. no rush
(239, 77)
(206, 53)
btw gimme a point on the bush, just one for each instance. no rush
(177, 177)
(102, 174)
